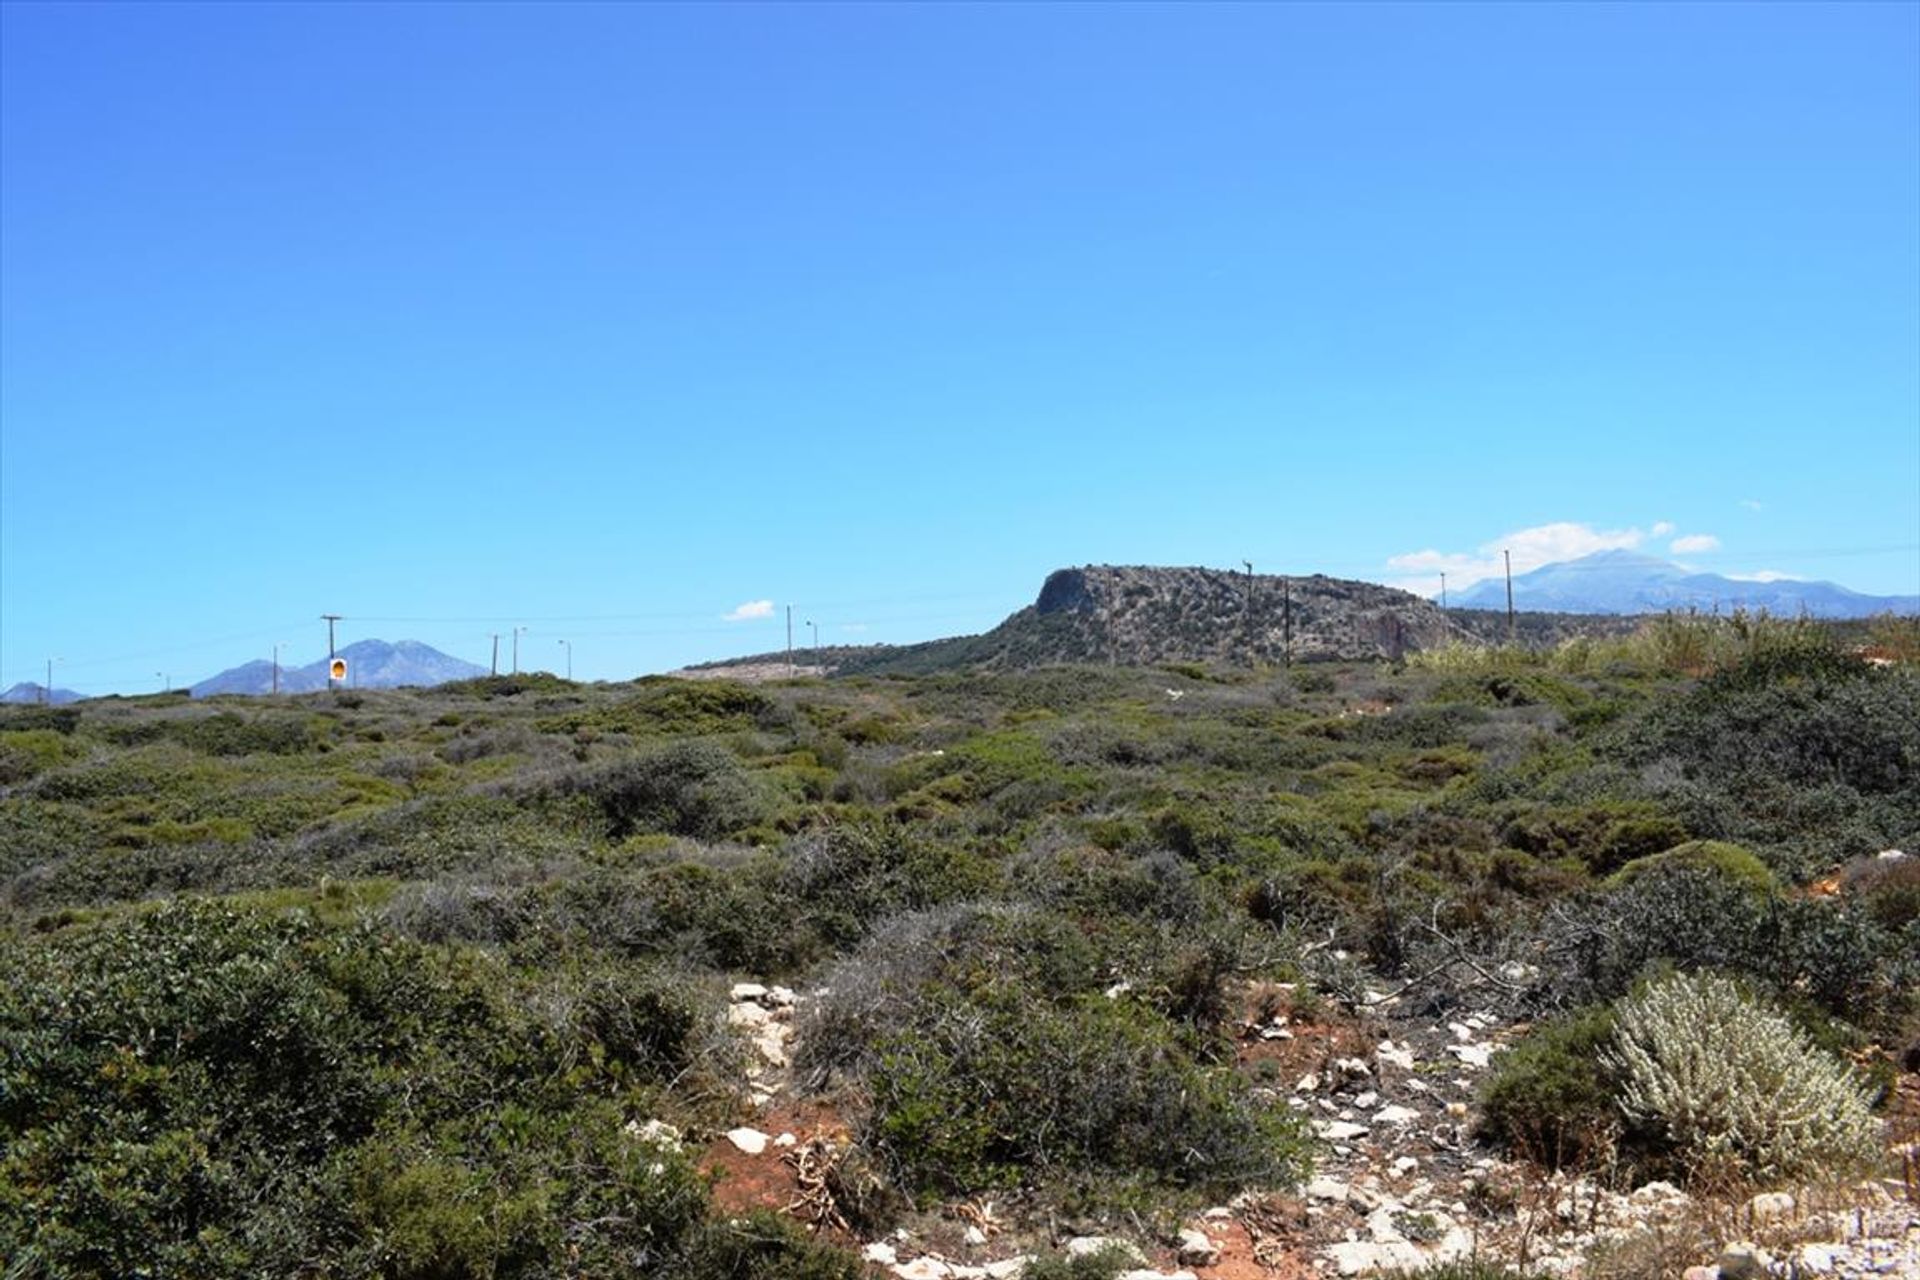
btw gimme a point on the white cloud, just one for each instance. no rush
(1765, 575)
(1694, 542)
(748, 612)
(1661, 528)
(1531, 548)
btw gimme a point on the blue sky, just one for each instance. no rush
(610, 320)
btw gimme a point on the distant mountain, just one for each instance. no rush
(371, 664)
(1623, 582)
(26, 691)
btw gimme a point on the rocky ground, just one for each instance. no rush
(1399, 1184)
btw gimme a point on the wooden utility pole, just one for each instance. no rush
(1252, 656)
(1508, 557)
(1286, 621)
(330, 619)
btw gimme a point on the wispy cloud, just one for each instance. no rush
(1764, 575)
(1694, 542)
(1531, 548)
(748, 612)
(1661, 528)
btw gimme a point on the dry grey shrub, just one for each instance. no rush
(1735, 1086)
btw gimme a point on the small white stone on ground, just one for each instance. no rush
(751, 1141)
(1395, 1114)
(1196, 1248)
(743, 991)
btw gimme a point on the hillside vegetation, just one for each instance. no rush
(399, 983)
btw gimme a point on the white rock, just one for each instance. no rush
(1353, 1068)
(743, 991)
(1473, 1055)
(1890, 854)
(1325, 1188)
(1389, 1054)
(1196, 1248)
(1405, 1165)
(751, 1141)
(1461, 1031)
(1307, 1083)
(1744, 1261)
(1771, 1206)
(778, 997)
(1816, 1259)
(1339, 1130)
(747, 1014)
(928, 1268)
(1275, 1033)
(880, 1253)
(1005, 1269)
(1366, 1100)
(1395, 1114)
(785, 1140)
(975, 1236)
(1081, 1246)
(1118, 989)
(1359, 1258)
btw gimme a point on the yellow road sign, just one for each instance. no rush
(337, 669)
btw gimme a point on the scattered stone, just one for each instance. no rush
(1082, 1246)
(1308, 1083)
(1339, 1130)
(658, 1132)
(1360, 1258)
(880, 1254)
(785, 1140)
(1366, 1100)
(1006, 1268)
(1196, 1249)
(744, 992)
(1325, 1188)
(1745, 1261)
(1275, 1032)
(1461, 1031)
(1770, 1207)
(1395, 1114)
(928, 1268)
(975, 1237)
(1352, 1068)
(1404, 1166)
(1472, 1055)
(1815, 1259)
(1365, 1199)
(778, 997)
(1389, 1054)
(751, 1141)
(1700, 1273)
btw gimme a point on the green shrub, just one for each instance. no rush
(687, 788)
(1549, 1097)
(988, 1093)
(1728, 862)
(1727, 1085)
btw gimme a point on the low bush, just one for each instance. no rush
(1728, 1086)
(1549, 1097)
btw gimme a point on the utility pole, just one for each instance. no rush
(1508, 557)
(1443, 591)
(46, 694)
(569, 648)
(516, 649)
(1252, 657)
(330, 619)
(789, 640)
(276, 666)
(816, 636)
(162, 677)
(1286, 621)
(494, 670)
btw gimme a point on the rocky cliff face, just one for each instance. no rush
(1127, 614)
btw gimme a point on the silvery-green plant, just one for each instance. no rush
(1734, 1085)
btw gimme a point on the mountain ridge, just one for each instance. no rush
(1630, 582)
(371, 664)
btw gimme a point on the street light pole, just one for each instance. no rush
(816, 638)
(569, 647)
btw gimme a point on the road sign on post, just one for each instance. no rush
(337, 669)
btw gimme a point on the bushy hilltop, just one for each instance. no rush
(1139, 615)
(1346, 965)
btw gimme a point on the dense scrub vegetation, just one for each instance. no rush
(390, 983)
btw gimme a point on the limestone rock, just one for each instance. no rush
(751, 1141)
(1196, 1248)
